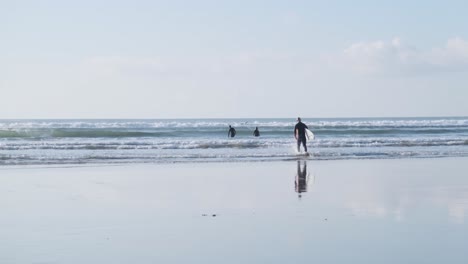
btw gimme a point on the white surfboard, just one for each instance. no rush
(309, 134)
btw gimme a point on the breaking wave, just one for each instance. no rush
(205, 140)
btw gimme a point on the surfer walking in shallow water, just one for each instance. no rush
(300, 135)
(231, 132)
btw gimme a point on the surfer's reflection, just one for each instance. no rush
(302, 176)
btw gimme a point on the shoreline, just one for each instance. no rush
(297, 158)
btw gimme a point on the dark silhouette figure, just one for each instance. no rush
(231, 132)
(300, 182)
(300, 135)
(256, 132)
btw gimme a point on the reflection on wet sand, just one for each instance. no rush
(302, 178)
(385, 191)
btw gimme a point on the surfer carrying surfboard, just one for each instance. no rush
(300, 135)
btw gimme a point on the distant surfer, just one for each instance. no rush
(300, 135)
(256, 132)
(231, 132)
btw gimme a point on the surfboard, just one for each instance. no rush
(309, 134)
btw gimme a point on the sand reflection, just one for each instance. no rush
(384, 190)
(302, 177)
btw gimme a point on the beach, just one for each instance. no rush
(348, 211)
(234, 132)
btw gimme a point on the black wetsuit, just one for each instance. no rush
(301, 135)
(256, 133)
(232, 132)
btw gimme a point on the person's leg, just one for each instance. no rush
(299, 145)
(304, 143)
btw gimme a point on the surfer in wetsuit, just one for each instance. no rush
(231, 132)
(256, 132)
(300, 135)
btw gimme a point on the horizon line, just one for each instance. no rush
(232, 118)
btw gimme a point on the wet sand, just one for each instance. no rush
(354, 211)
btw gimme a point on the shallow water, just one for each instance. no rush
(205, 140)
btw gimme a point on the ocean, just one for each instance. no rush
(47, 142)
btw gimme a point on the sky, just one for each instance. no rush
(228, 59)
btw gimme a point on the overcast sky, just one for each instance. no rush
(193, 59)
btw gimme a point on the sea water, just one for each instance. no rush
(44, 142)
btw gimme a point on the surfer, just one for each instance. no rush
(256, 132)
(231, 132)
(300, 135)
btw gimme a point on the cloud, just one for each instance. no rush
(380, 57)
(455, 53)
(395, 57)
